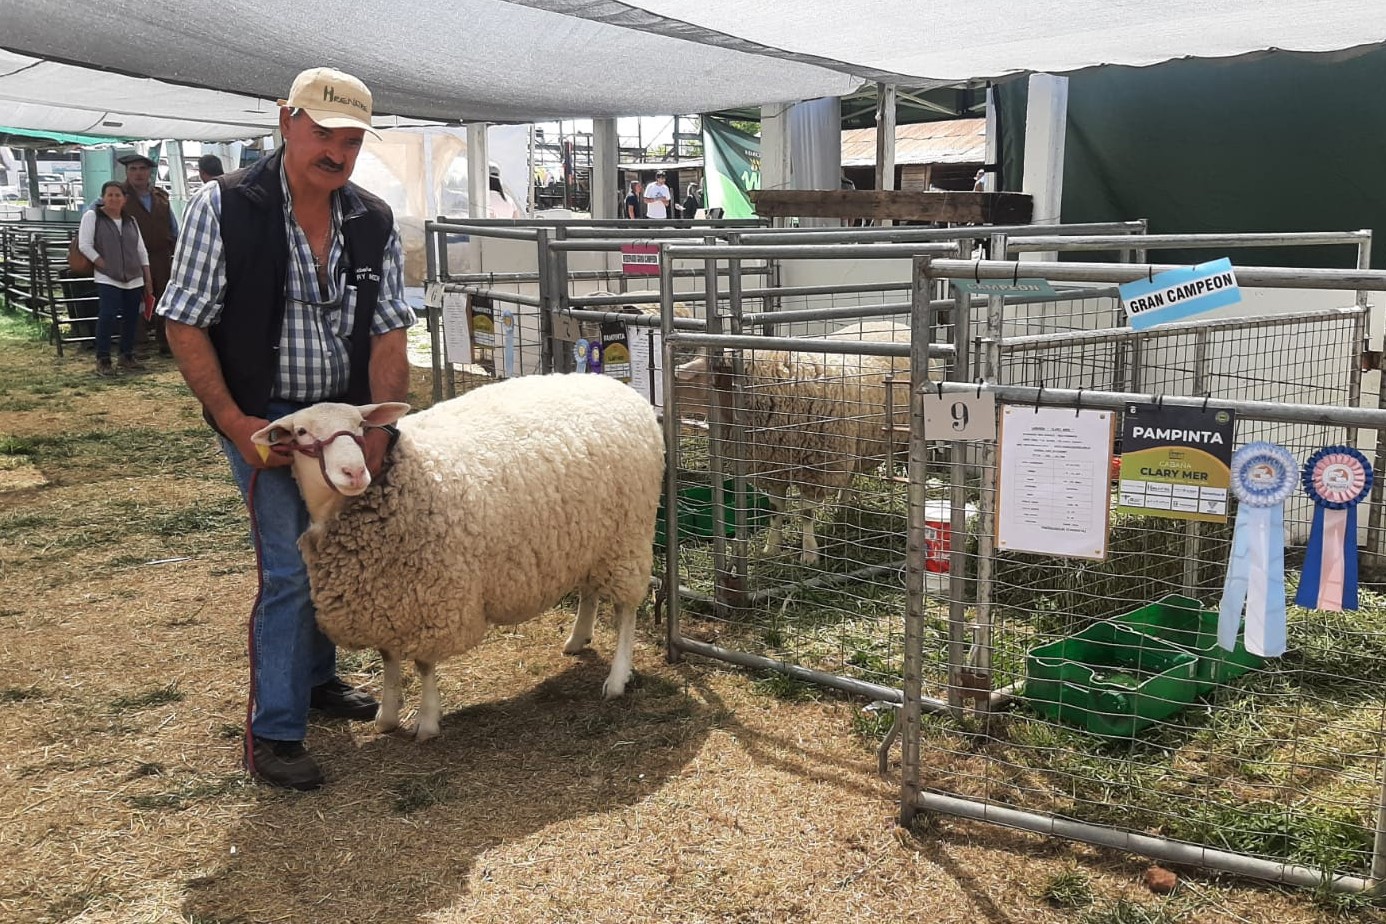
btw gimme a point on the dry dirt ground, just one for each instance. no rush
(700, 797)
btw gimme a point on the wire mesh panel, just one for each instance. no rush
(1093, 691)
(1117, 707)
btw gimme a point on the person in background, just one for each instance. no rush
(112, 242)
(634, 201)
(657, 198)
(209, 167)
(287, 290)
(148, 205)
(498, 204)
(692, 202)
(979, 182)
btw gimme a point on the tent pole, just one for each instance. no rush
(1046, 119)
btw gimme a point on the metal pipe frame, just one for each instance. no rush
(898, 308)
(704, 225)
(595, 275)
(1171, 241)
(635, 320)
(1031, 342)
(808, 344)
(471, 228)
(1268, 411)
(652, 298)
(532, 301)
(908, 233)
(433, 315)
(1158, 848)
(1271, 277)
(671, 470)
(811, 251)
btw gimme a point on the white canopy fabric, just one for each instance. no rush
(217, 67)
(47, 96)
(948, 41)
(448, 60)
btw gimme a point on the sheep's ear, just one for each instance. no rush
(691, 369)
(387, 412)
(280, 431)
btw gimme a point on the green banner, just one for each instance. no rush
(732, 167)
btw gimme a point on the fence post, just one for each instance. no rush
(672, 597)
(916, 607)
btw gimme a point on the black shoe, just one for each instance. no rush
(286, 764)
(339, 700)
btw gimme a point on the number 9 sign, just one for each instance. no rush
(959, 416)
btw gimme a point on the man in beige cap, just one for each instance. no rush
(287, 290)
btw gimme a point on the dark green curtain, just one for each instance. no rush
(1277, 141)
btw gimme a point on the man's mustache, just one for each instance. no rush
(327, 164)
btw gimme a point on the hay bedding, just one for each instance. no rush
(695, 799)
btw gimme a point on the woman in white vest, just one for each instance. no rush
(116, 248)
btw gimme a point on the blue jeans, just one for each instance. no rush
(113, 302)
(289, 655)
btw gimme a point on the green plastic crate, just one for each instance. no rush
(695, 511)
(1110, 679)
(1184, 622)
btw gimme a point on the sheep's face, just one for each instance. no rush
(326, 441)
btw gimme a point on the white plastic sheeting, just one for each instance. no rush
(48, 96)
(947, 41)
(529, 60)
(478, 60)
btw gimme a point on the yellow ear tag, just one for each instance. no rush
(263, 450)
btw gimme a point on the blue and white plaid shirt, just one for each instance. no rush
(314, 354)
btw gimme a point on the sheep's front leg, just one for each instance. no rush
(777, 492)
(625, 652)
(581, 636)
(430, 707)
(391, 696)
(810, 509)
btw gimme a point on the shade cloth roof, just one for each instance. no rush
(946, 41)
(527, 60)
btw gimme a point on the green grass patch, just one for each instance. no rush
(188, 793)
(1069, 888)
(1128, 912)
(418, 793)
(784, 687)
(156, 697)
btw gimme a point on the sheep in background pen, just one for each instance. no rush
(496, 504)
(816, 420)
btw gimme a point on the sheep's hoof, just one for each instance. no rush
(573, 645)
(809, 558)
(425, 732)
(613, 689)
(384, 726)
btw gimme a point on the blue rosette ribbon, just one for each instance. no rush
(1264, 475)
(1337, 479)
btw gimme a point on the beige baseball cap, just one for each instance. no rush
(331, 98)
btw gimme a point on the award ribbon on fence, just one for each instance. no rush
(1336, 479)
(1264, 475)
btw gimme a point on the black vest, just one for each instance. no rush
(256, 245)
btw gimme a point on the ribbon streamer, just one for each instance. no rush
(1336, 479)
(1263, 477)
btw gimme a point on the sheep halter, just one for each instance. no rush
(314, 450)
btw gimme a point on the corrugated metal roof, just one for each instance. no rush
(957, 141)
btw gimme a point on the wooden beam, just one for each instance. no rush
(955, 207)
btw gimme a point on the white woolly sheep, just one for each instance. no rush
(496, 504)
(815, 420)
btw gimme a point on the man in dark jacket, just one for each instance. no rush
(288, 290)
(148, 206)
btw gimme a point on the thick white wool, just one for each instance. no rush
(497, 504)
